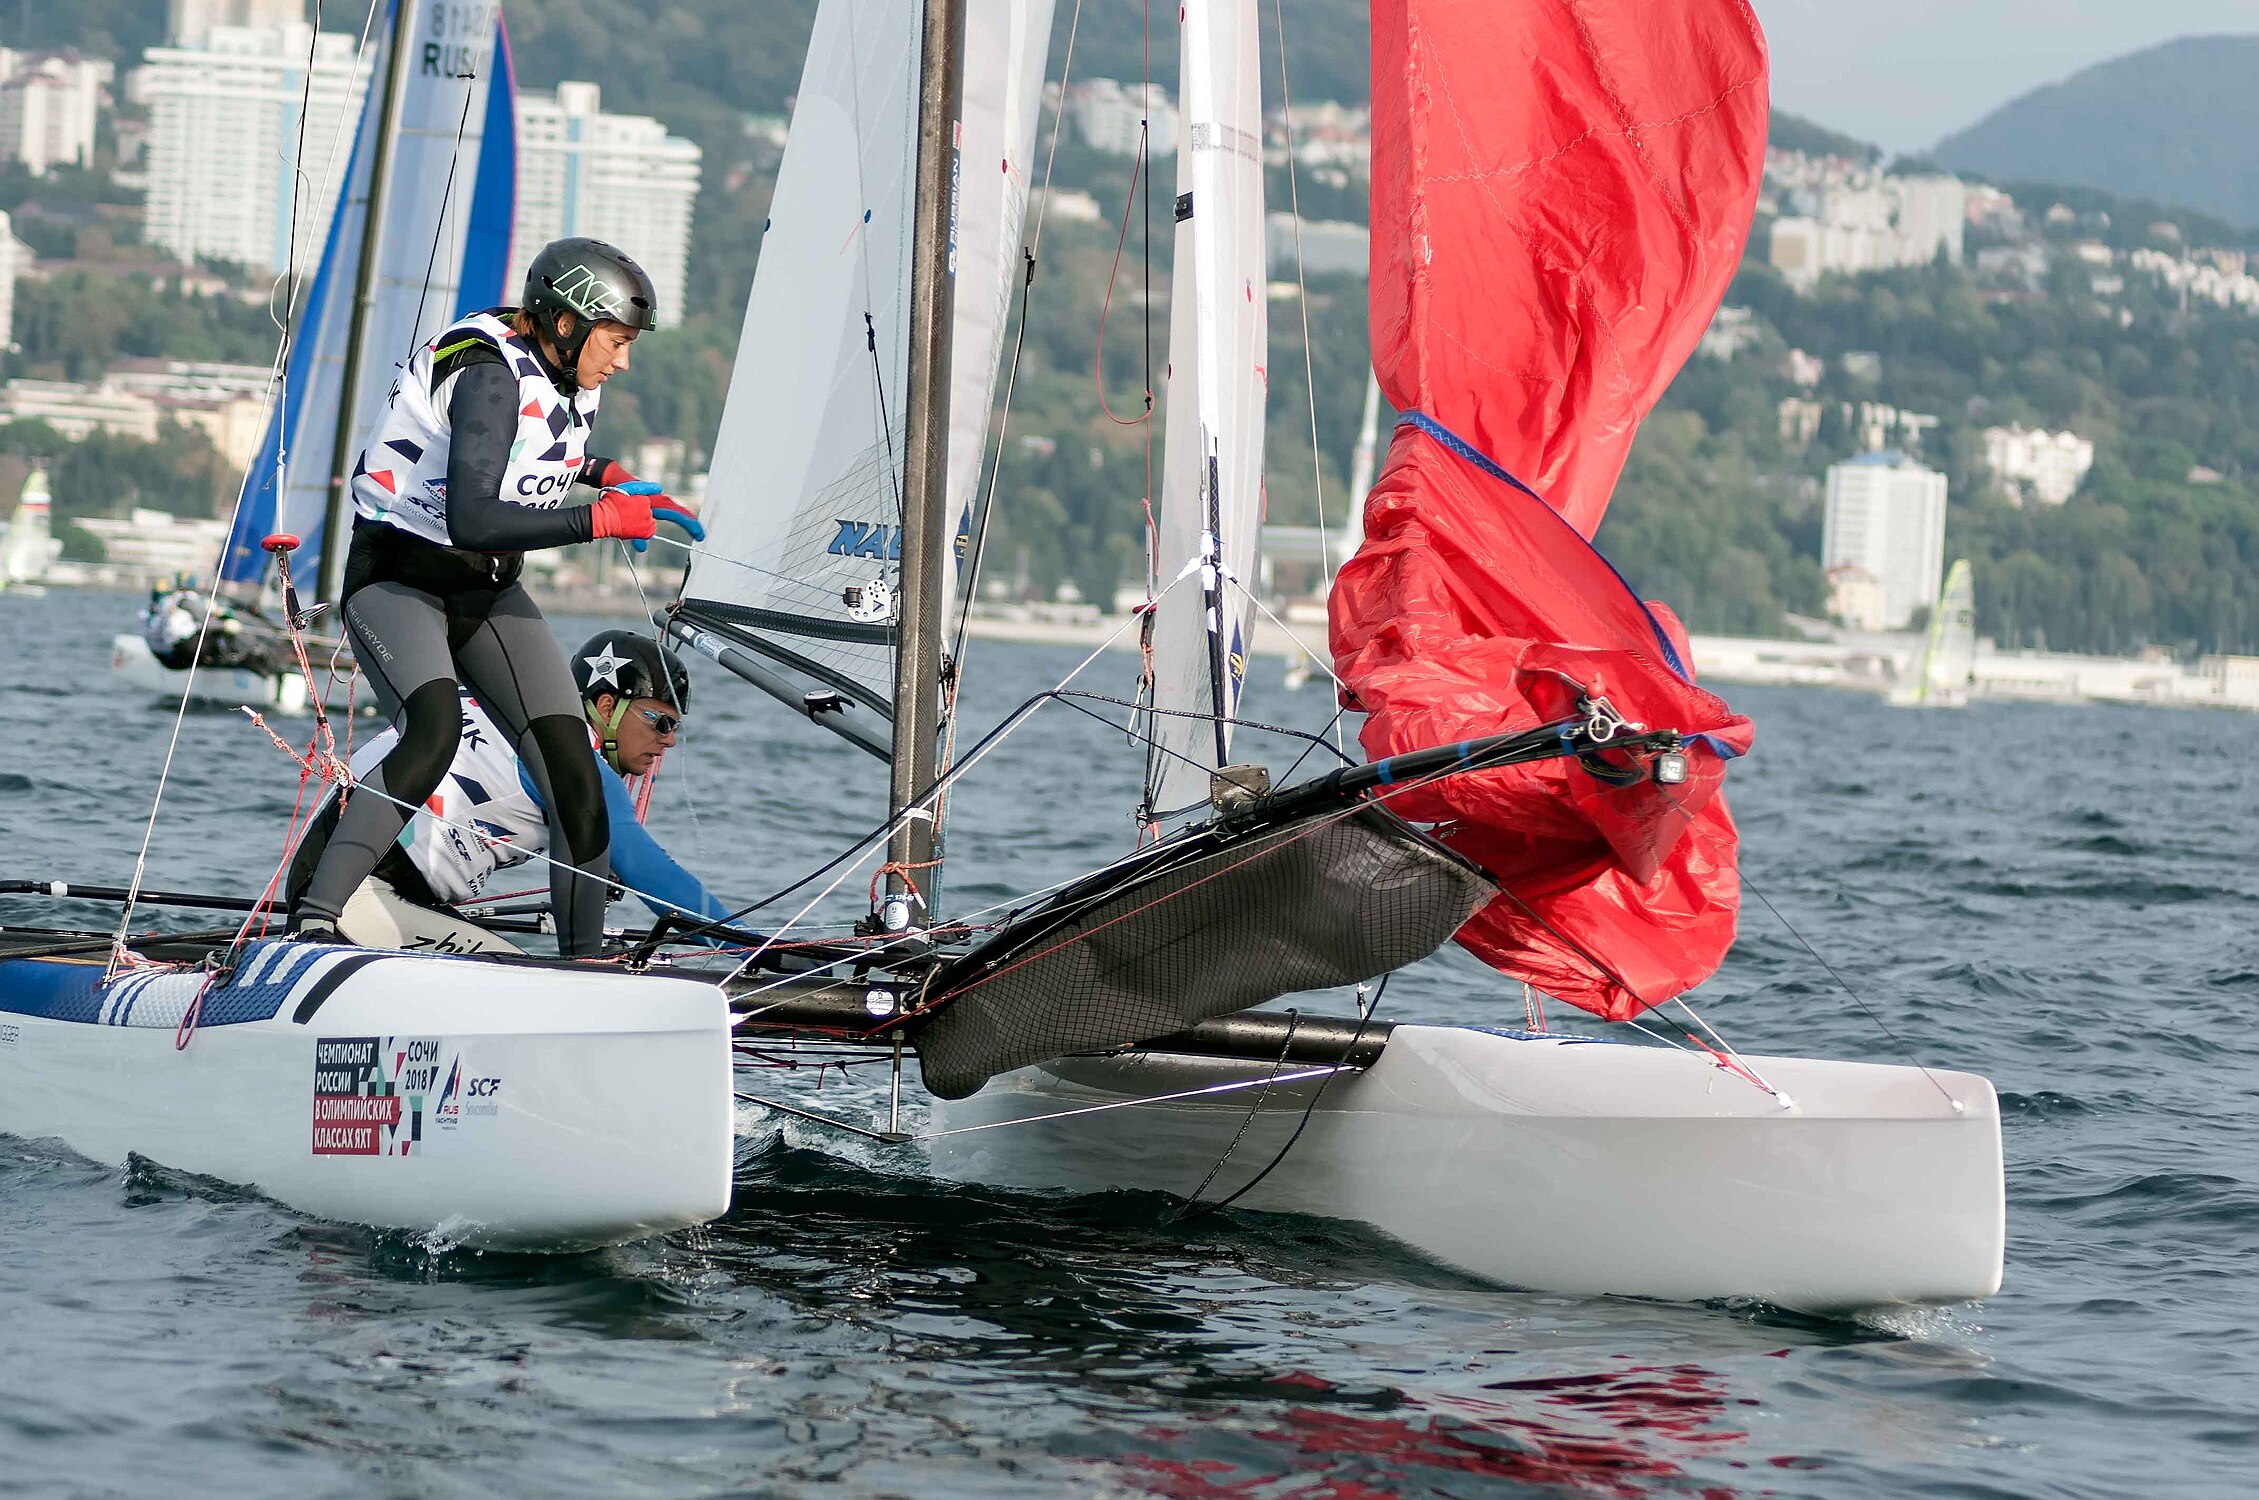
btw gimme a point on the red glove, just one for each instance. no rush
(611, 476)
(625, 511)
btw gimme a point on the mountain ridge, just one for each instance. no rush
(2168, 123)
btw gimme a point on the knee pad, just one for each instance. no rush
(576, 795)
(430, 724)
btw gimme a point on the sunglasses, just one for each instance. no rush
(662, 724)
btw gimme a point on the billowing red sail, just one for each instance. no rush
(1561, 192)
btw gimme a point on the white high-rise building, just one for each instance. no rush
(1107, 114)
(1886, 515)
(224, 141)
(2047, 466)
(619, 178)
(15, 260)
(189, 23)
(49, 103)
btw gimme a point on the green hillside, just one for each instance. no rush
(2173, 122)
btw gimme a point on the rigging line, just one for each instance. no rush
(439, 227)
(1105, 308)
(988, 742)
(273, 402)
(1315, 741)
(1364, 1019)
(1254, 1107)
(1732, 1052)
(1319, 739)
(689, 796)
(1302, 294)
(1323, 666)
(1032, 252)
(1237, 1085)
(1856, 998)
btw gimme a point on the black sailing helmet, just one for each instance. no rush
(628, 666)
(596, 283)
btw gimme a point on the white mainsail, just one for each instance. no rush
(1005, 46)
(1212, 462)
(803, 512)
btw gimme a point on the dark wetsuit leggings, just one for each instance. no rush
(411, 644)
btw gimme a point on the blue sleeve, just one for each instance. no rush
(643, 867)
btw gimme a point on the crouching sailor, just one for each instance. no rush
(488, 814)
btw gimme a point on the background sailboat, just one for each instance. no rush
(420, 233)
(1946, 670)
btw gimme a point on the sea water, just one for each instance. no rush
(2062, 899)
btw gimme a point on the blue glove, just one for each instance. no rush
(684, 519)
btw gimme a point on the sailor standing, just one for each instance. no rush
(471, 466)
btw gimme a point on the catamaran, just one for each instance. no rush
(1543, 782)
(1946, 671)
(419, 234)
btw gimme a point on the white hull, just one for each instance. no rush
(538, 1108)
(132, 660)
(1558, 1164)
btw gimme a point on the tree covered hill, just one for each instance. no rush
(2173, 122)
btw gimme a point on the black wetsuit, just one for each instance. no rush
(420, 615)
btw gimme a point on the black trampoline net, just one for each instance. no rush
(1195, 928)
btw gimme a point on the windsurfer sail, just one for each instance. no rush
(1543, 261)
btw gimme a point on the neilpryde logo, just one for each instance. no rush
(866, 539)
(583, 291)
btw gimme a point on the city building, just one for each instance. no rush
(1108, 116)
(1855, 596)
(1328, 247)
(1731, 330)
(135, 397)
(149, 545)
(619, 178)
(189, 23)
(15, 260)
(224, 142)
(49, 103)
(1886, 514)
(1799, 420)
(2033, 464)
(1844, 217)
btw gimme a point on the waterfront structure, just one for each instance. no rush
(1328, 247)
(1886, 514)
(620, 178)
(224, 141)
(2031, 463)
(1107, 114)
(49, 103)
(135, 397)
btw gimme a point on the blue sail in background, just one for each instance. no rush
(440, 245)
(494, 193)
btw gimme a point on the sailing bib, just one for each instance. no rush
(492, 821)
(400, 479)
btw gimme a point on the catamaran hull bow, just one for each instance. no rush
(495, 1106)
(1554, 1163)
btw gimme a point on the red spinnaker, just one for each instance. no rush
(1561, 193)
